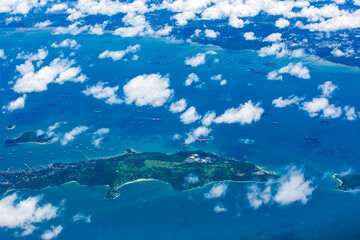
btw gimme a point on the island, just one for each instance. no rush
(183, 171)
(30, 137)
(350, 182)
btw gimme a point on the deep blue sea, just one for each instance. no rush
(153, 210)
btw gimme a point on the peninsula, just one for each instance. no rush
(183, 170)
(349, 182)
(30, 137)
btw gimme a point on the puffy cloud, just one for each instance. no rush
(350, 113)
(73, 29)
(282, 23)
(208, 118)
(39, 56)
(20, 6)
(297, 70)
(70, 43)
(209, 33)
(196, 133)
(278, 49)
(219, 78)
(332, 112)
(315, 106)
(2, 54)
(220, 208)
(98, 136)
(249, 36)
(59, 71)
(51, 233)
(337, 53)
(152, 89)
(290, 188)
(57, 7)
(117, 55)
(191, 178)
(18, 103)
(274, 37)
(198, 59)
(98, 91)
(327, 88)
(182, 18)
(236, 22)
(192, 77)
(292, 100)
(178, 106)
(244, 114)
(43, 24)
(70, 136)
(50, 132)
(17, 213)
(190, 116)
(98, 29)
(218, 190)
(81, 217)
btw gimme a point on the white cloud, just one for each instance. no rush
(189, 116)
(297, 70)
(178, 106)
(20, 6)
(246, 141)
(278, 49)
(191, 178)
(98, 91)
(236, 22)
(209, 33)
(292, 100)
(219, 78)
(39, 56)
(73, 29)
(98, 29)
(98, 136)
(50, 132)
(70, 136)
(51, 233)
(81, 217)
(152, 89)
(274, 37)
(315, 106)
(117, 55)
(17, 213)
(218, 190)
(43, 24)
(18, 103)
(192, 77)
(220, 208)
(208, 118)
(57, 7)
(282, 23)
(194, 134)
(327, 88)
(332, 112)
(290, 188)
(350, 113)
(2, 54)
(58, 71)
(337, 53)
(198, 59)
(249, 36)
(70, 43)
(244, 114)
(182, 18)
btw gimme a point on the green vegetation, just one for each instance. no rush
(349, 182)
(182, 171)
(30, 137)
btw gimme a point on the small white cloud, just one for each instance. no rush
(191, 178)
(282, 23)
(81, 217)
(236, 22)
(315, 106)
(98, 136)
(208, 118)
(274, 37)
(246, 141)
(52, 233)
(198, 59)
(327, 88)
(249, 36)
(278, 49)
(18, 103)
(189, 116)
(70, 136)
(70, 43)
(117, 55)
(220, 208)
(57, 7)
(196, 133)
(337, 53)
(211, 33)
(292, 100)
(297, 70)
(331, 111)
(244, 114)
(218, 190)
(192, 77)
(350, 113)
(2, 54)
(219, 78)
(152, 89)
(43, 24)
(100, 92)
(178, 106)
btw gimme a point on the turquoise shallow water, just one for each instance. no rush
(153, 210)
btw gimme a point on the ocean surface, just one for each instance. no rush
(153, 210)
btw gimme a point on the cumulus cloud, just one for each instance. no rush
(327, 88)
(245, 114)
(220, 208)
(274, 37)
(208, 118)
(73, 29)
(178, 106)
(18, 213)
(43, 24)
(318, 105)
(2, 54)
(18, 103)
(249, 36)
(219, 78)
(152, 89)
(40, 55)
(81, 217)
(290, 188)
(350, 113)
(50, 132)
(57, 7)
(217, 191)
(20, 6)
(192, 77)
(70, 136)
(291, 100)
(98, 136)
(117, 55)
(196, 133)
(198, 59)
(209, 33)
(189, 116)
(67, 43)
(191, 178)
(98, 29)
(58, 71)
(236, 22)
(278, 49)
(332, 112)
(297, 70)
(282, 23)
(99, 91)
(51, 233)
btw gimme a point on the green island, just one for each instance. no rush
(30, 137)
(183, 170)
(349, 182)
